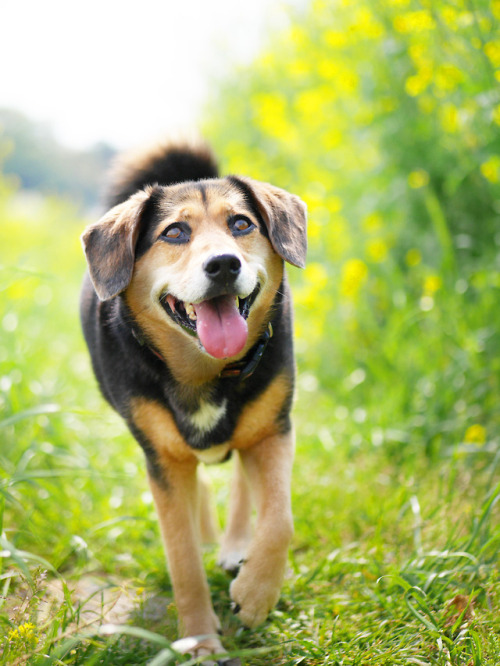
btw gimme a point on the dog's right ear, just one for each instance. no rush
(109, 246)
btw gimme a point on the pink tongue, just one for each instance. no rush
(222, 330)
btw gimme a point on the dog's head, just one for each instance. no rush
(203, 259)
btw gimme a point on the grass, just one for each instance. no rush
(384, 117)
(395, 555)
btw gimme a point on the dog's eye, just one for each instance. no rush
(178, 232)
(239, 225)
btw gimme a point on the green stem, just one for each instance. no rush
(438, 219)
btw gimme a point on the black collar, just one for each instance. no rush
(246, 367)
(239, 370)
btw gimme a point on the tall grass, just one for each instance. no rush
(396, 549)
(396, 482)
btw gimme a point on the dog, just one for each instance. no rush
(187, 315)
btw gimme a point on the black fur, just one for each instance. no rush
(123, 360)
(176, 165)
(126, 367)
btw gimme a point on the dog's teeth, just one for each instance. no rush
(190, 311)
(171, 302)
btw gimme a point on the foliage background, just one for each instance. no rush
(385, 117)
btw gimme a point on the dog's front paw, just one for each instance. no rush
(254, 597)
(201, 646)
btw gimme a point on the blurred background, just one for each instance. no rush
(384, 116)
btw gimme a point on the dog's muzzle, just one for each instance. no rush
(219, 320)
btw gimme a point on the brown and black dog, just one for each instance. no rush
(187, 315)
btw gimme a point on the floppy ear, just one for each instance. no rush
(109, 246)
(285, 216)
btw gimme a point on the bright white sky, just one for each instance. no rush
(124, 71)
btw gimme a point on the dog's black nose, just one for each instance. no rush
(223, 269)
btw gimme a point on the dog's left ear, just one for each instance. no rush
(109, 246)
(285, 216)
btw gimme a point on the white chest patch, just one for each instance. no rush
(208, 415)
(215, 454)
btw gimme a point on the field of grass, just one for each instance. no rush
(385, 118)
(395, 555)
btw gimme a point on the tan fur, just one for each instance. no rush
(159, 427)
(266, 463)
(209, 529)
(257, 422)
(178, 515)
(268, 467)
(263, 455)
(239, 528)
(175, 267)
(258, 419)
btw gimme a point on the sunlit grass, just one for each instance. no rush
(384, 118)
(395, 554)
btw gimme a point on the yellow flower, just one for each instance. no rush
(348, 81)
(491, 169)
(354, 274)
(298, 69)
(272, 116)
(450, 17)
(431, 284)
(332, 138)
(475, 434)
(448, 77)
(417, 83)
(327, 69)
(366, 25)
(298, 35)
(373, 222)
(492, 50)
(448, 115)
(418, 53)
(311, 105)
(413, 257)
(377, 250)
(316, 276)
(412, 22)
(418, 178)
(23, 634)
(335, 38)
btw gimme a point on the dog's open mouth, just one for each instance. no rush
(220, 323)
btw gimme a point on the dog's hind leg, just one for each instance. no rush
(239, 529)
(176, 502)
(209, 531)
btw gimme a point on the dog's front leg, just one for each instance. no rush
(176, 503)
(256, 589)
